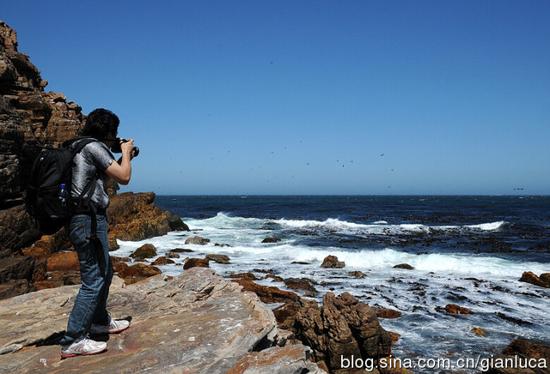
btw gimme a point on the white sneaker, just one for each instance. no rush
(114, 327)
(83, 347)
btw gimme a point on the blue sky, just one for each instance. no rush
(309, 97)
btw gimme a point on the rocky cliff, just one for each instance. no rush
(30, 118)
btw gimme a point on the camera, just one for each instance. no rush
(117, 149)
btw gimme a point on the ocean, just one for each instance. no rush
(465, 250)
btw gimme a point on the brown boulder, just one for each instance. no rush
(454, 309)
(479, 331)
(520, 350)
(386, 312)
(220, 259)
(197, 240)
(356, 274)
(195, 262)
(162, 261)
(403, 266)
(530, 277)
(304, 284)
(332, 262)
(145, 251)
(136, 272)
(133, 216)
(63, 261)
(247, 275)
(16, 267)
(268, 294)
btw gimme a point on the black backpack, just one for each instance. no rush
(48, 195)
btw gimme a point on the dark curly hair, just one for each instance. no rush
(101, 124)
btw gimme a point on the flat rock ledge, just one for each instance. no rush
(195, 323)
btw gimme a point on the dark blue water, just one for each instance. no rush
(525, 232)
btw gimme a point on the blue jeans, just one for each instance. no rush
(96, 273)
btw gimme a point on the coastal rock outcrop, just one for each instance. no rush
(542, 281)
(340, 326)
(134, 216)
(332, 262)
(195, 323)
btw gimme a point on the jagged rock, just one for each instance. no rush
(220, 259)
(291, 359)
(386, 312)
(454, 309)
(479, 331)
(247, 275)
(271, 239)
(134, 273)
(268, 294)
(175, 222)
(404, 266)
(530, 277)
(197, 240)
(133, 216)
(357, 274)
(304, 284)
(172, 255)
(195, 262)
(275, 277)
(145, 251)
(162, 261)
(332, 262)
(341, 326)
(164, 335)
(63, 261)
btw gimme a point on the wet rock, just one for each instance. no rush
(479, 331)
(271, 239)
(172, 255)
(247, 275)
(162, 261)
(268, 294)
(394, 336)
(181, 250)
(356, 274)
(186, 314)
(175, 222)
(222, 245)
(404, 266)
(134, 273)
(304, 284)
(454, 309)
(386, 312)
(538, 354)
(530, 277)
(517, 321)
(195, 262)
(288, 359)
(332, 262)
(275, 277)
(220, 259)
(145, 251)
(63, 261)
(301, 262)
(197, 240)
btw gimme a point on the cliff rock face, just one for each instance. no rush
(195, 323)
(31, 118)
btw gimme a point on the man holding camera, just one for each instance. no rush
(88, 227)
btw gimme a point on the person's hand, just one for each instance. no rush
(127, 148)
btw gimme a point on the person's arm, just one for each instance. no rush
(122, 172)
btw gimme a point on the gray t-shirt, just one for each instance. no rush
(90, 162)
